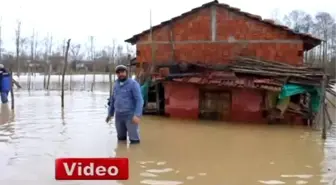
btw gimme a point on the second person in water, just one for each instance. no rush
(5, 84)
(126, 104)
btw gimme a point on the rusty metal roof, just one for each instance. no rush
(303, 36)
(267, 84)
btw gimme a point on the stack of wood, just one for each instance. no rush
(285, 73)
(303, 75)
(282, 72)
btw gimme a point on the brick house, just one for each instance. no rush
(215, 33)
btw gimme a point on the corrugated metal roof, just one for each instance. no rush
(267, 84)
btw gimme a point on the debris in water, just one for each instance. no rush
(202, 174)
(297, 176)
(272, 182)
(304, 176)
(142, 166)
(160, 182)
(272, 162)
(160, 170)
(190, 177)
(161, 163)
(301, 182)
(145, 162)
(145, 174)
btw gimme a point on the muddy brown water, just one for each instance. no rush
(172, 151)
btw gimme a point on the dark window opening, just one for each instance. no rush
(300, 53)
(296, 99)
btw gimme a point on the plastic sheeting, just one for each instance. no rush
(144, 90)
(294, 89)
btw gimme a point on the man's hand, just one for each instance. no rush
(108, 119)
(136, 120)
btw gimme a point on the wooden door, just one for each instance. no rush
(215, 105)
(225, 105)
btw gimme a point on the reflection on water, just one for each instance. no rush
(172, 152)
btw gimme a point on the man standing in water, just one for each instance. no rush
(126, 103)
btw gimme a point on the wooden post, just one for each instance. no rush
(12, 91)
(310, 120)
(157, 94)
(327, 115)
(130, 66)
(323, 91)
(152, 44)
(18, 38)
(64, 70)
(92, 55)
(145, 75)
(110, 71)
(324, 123)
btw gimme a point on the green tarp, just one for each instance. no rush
(144, 90)
(293, 89)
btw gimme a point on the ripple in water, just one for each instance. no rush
(272, 182)
(301, 182)
(165, 170)
(160, 182)
(145, 174)
(303, 176)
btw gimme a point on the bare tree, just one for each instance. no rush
(48, 53)
(18, 39)
(276, 16)
(92, 58)
(63, 54)
(333, 44)
(31, 60)
(46, 60)
(36, 45)
(300, 21)
(324, 24)
(111, 54)
(74, 53)
(119, 54)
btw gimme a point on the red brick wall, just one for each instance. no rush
(192, 27)
(181, 100)
(198, 27)
(230, 24)
(246, 112)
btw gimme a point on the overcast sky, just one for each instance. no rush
(108, 19)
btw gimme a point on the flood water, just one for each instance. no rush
(172, 151)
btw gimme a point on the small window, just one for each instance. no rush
(300, 53)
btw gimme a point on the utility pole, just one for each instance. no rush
(324, 84)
